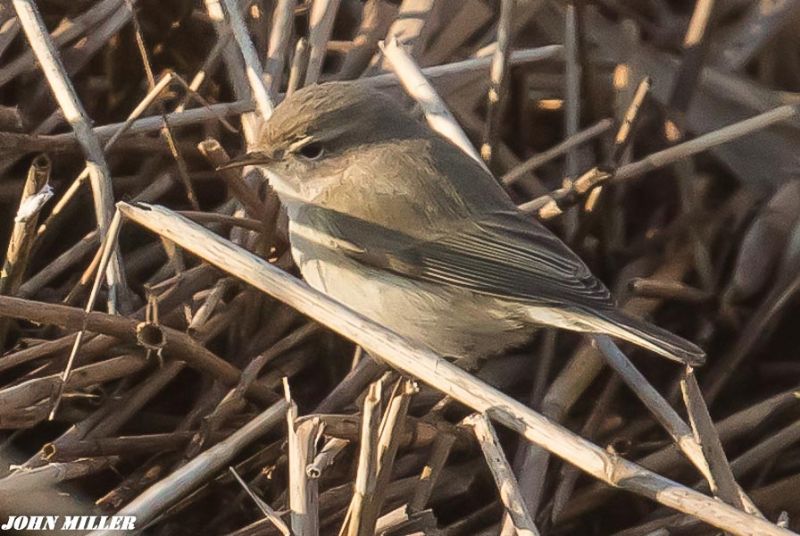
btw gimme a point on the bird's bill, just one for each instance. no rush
(254, 158)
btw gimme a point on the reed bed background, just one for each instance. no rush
(159, 358)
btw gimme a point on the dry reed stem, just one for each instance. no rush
(376, 18)
(429, 476)
(154, 191)
(166, 130)
(646, 287)
(299, 66)
(787, 285)
(463, 21)
(360, 520)
(77, 26)
(23, 233)
(721, 481)
(668, 457)
(53, 473)
(292, 340)
(9, 28)
(448, 378)
(203, 73)
(204, 312)
(116, 446)
(64, 93)
(107, 249)
(218, 157)
(252, 64)
(693, 56)
(498, 80)
(125, 329)
(420, 89)
(705, 142)
(573, 78)
(320, 25)
(629, 120)
(689, 148)
(303, 492)
(575, 188)
(352, 385)
(680, 432)
(770, 447)
(417, 433)
(156, 499)
(215, 111)
(401, 521)
(507, 486)
(390, 437)
(278, 48)
(568, 475)
(326, 456)
(36, 389)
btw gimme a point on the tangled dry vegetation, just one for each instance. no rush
(201, 389)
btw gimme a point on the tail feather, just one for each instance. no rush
(642, 333)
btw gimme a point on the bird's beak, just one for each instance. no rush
(255, 158)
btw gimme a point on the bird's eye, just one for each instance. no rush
(312, 151)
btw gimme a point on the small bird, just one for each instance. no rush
(394, 221)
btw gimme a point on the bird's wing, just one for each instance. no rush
(503, 254)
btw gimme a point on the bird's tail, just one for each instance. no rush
(642, 333)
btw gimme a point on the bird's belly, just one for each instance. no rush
(451, 321)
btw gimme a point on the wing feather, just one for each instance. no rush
(504, 255)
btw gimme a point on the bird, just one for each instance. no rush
(394, 221)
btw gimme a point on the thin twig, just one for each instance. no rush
(534, 162)
(498, 80)
(658, 406)
(266, 509)
(507, 486)
(572, 90)
(108, 247)
(722, 481)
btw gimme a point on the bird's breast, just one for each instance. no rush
(451, 321)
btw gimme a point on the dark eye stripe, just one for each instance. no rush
(312, 151)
